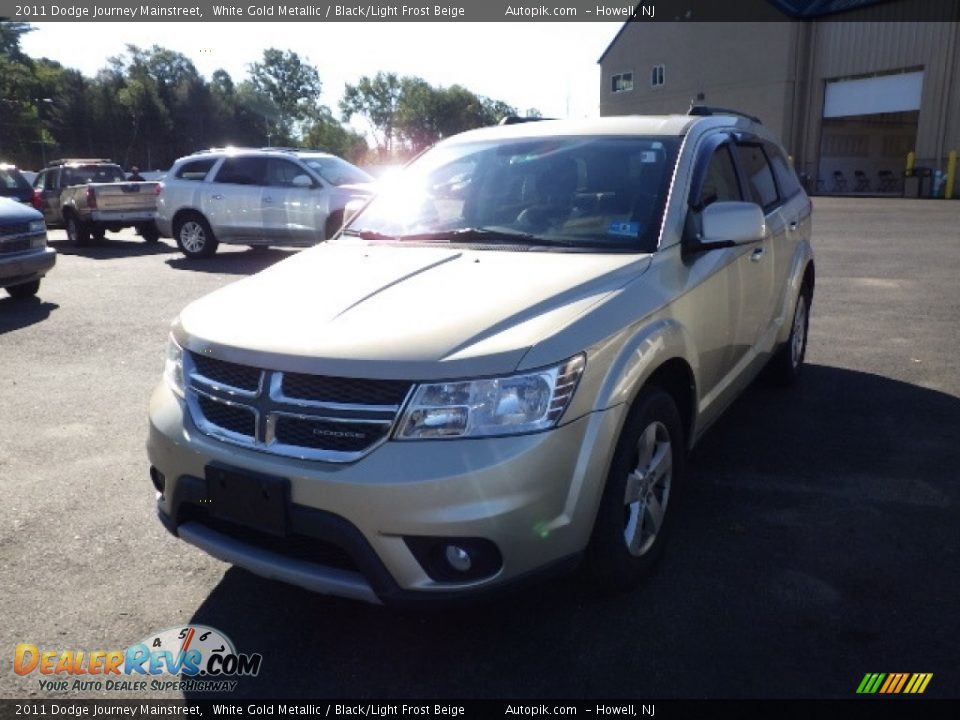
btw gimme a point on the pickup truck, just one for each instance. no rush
(88, 197)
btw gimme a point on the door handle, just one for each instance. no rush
(217, 197)
(793, 226)
(268, 199)
(757, 255)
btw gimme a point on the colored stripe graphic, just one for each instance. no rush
(894, 683)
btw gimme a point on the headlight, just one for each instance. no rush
(173, 367)
(508, 405)
(37, 226)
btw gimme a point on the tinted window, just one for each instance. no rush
(196, 169)
(11, 179)
(280, 173)
(786, 177)
(83, 174)
(242, 171)
(763, 191)
(720, 182)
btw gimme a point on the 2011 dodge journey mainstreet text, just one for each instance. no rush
(497, 368)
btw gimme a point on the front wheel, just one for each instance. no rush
(194, 237)
(639, 499)
(24, 290)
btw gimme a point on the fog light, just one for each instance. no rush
(458, 558)
(159, 481)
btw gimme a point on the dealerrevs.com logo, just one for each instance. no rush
(194, 658)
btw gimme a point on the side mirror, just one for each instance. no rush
(302, 181)
(725, 224)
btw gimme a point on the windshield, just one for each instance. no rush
(11, 179)
(603, 193)
(336, 171)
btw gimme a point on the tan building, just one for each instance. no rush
(850, 95)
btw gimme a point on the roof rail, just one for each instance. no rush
(517, 119)
(79, 161)
(706, 111)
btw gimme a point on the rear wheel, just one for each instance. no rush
(149, 233)
(77, 231)
(24, 290)
(639, 501)
(788, 362)
(194, 237)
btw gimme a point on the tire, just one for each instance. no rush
(149, 233)
(640, 497)
(77, 232)
(24, 290)
(787, 363)
(333, 224)
(194, 237)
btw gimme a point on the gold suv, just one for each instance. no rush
(496, 370)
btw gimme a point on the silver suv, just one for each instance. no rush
(497, 370)
(256, 197)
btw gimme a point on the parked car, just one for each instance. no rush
(467, 390)
(14, 185)
(90, 196)
(24, 255)
(256, 197)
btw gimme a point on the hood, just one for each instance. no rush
(409, 312)
(12, 211)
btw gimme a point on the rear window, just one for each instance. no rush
(196, 169)
(83, 174)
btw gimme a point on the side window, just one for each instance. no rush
(39, 180)
(196, 169)
(762, 189)
(720, 181)
(786, 177)
(280, 173)
(242, 171)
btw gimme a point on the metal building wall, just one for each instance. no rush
(872, 41)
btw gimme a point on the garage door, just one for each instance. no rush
(869, 96)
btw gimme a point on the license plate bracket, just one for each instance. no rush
(261, 502)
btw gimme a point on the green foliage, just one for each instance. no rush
(149, 106)
(408, 114)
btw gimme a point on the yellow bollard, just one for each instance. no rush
(951, 174)
(911, 159)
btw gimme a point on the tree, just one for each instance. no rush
(376, 99)
(325, 133)
(292, 86)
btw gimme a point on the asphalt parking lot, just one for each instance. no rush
(819, 539)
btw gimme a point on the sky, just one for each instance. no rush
(548, 66)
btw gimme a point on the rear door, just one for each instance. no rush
(232, 202)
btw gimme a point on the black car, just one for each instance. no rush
(14, 185)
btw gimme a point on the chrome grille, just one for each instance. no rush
(20, 228)
(312, 417)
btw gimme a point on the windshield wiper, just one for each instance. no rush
(482, 235)
(368, 234)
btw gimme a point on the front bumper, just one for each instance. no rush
(533, 496)
(26, 266)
